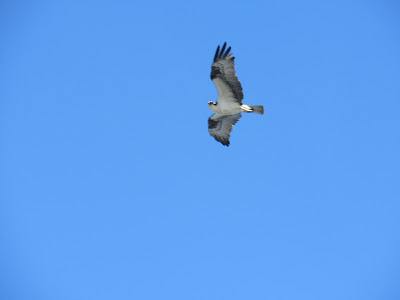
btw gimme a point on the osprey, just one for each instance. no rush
(229, 107)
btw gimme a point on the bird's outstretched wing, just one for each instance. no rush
(224, 77)
(220, 126)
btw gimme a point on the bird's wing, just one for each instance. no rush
(224, 77)
(220, 126)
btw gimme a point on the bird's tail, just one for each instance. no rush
(258, 109)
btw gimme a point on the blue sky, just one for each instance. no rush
(112, 188)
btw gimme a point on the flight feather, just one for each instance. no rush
(224, 76)
(220, 127)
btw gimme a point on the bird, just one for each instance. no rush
(228, 108)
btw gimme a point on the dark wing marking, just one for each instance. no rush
(220, 127)
(223, 74)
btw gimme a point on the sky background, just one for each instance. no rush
(112, 188)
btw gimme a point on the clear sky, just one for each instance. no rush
(112, 188)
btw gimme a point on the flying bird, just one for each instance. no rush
(229, 107)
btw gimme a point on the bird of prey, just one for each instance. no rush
(229, 107)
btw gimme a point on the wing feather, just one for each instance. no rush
(224, 76)
(220, 127)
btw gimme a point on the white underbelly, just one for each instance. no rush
(228, 107)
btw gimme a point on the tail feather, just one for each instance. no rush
(258, 109)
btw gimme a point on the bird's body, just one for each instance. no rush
(226, 107)
(229, 107)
